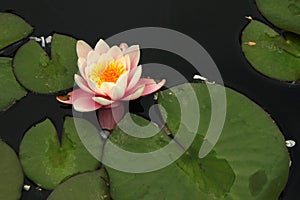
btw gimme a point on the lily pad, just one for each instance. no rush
(250, 142)
(38, 73)
(10, 88)
(282, 13)
(271, 54)
(90, 185)
(46, 161)
(12, 29)
(11, 173)
(187, 178)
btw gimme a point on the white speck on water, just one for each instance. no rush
(26, 187)
(198, 77)
(290, 143)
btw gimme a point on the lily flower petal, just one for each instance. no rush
(83, 49)
(82, 84)
(119, 90)
(101, 47)
(86, 104)
(134, 54)
(81, 66)
(115, 52)
(134, 76)
(102, 101)
(134, 94)
(123, 47)
(150, 88)
(72, 96)
(92, 58)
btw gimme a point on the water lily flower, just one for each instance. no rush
(108, 76)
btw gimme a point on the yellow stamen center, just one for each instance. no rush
(107, 72)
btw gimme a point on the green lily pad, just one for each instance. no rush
(12, 29)
(9, 87)
(282, 13)
(250, 142)
(11, 173)
(48, 163)
(38, 73)
(187, 178)
(271, 54)
(90, 185)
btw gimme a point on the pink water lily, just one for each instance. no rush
(108, 75)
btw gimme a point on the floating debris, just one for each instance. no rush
(251, 43)
(249, 17)
(26, 187)
(290, 143)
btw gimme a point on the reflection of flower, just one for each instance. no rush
(108, 76)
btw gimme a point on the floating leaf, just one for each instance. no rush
(187, 178)
(10, 172)
(38, 73)
(10, 88)
(271, 54)
(282, 13)
(12, 29)
(250, 142)
(48, 163)
(91, 185)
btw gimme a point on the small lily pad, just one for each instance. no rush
(90, 185)
(39, 73)
(12, 29)
(11, 173)
(187, 178)
(271, 54)
(46, 161)
(282, 13)
(10, 88)
(250, 142)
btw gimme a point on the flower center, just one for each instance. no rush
(107, 72)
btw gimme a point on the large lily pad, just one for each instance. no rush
(46, 161)
(187, 178)
(11, 173)
(271, 54)
(9, 87)
(250, 142)
(90, 185)
(12, 29)
(282, 13)
(38, 73)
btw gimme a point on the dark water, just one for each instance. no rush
(215, 24)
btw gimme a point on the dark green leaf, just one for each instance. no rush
(271, 54)
(250, 142)
(11, 173)
(187, 178)
(10, 88)
(91, 185)
(38, 73)
(282, 13)
(12, 29)
(48, 163)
